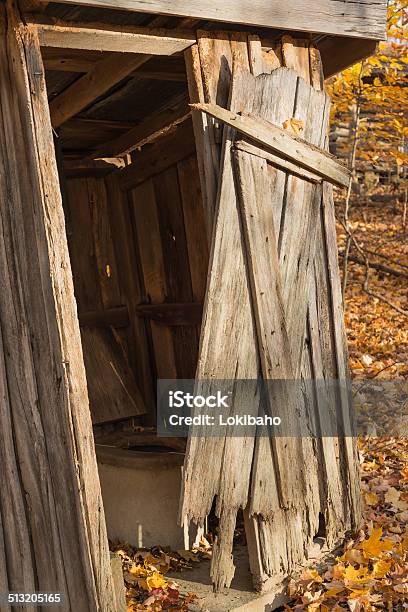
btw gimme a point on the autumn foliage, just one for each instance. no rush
(377, 88)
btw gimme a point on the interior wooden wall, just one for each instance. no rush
(137, 237)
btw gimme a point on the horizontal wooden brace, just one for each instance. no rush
(187, 314)
(279, 141)
(275, 160)
(179, 314)
(108, 37)
(115, 317)
(357, 18)
(117, 435)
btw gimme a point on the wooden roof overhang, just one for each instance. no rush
(355, 18)
(116, 74)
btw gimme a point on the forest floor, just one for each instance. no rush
(371, 571)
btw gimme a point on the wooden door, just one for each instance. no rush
(273, 306)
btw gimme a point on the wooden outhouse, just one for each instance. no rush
(166, 212)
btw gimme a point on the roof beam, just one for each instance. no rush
(151, 129)
(108, 37)
(356, 18)
(33, 6)
(352, 51)
(69, 60)
(104, 75)
(163, 68)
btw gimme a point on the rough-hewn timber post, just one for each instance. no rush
(52, 526)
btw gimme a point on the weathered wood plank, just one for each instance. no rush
(113, 393)
(107, 37)
(227, 285)
(280, 141)
(103, 244)
(365, 18)
(201, 133)
(195, 227)
(278, 162)
(352, 487)
(81, 246)
(61, 544)
(145, 214)
(132, 288)
(176, 265)
(280, 487)
(104, 75)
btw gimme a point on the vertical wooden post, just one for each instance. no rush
(52, 526)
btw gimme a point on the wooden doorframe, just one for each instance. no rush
(52, 526)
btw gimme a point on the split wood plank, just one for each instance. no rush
(226, 461)
(41, 356)
(280, 141)
(255, 195)
(104, 75)
(331, 488)
(208, 66)
(280, 482)
(364, 18)
(201, 134)
(111, 38)
(341, 354)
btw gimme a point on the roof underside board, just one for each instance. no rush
(356, 18)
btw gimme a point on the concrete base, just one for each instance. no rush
(239, 598)
(141, 492)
